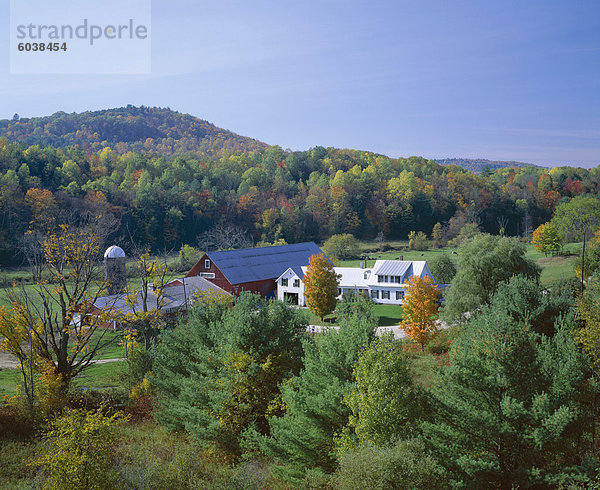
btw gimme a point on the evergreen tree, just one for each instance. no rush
(512, 405)
(219, 372)
(304, 438)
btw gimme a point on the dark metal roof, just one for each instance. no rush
(258, 264)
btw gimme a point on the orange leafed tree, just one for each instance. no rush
(320, 285)
(420, 307)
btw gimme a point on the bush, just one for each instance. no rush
(16, 422)
(188, 257)
(440, 344)
(150, 458)
(417, 241)
(404, 465)
(341, 247)
(78, 449)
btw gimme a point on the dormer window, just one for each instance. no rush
(207, 264)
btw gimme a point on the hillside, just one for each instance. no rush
(140, 129)
(479, 164)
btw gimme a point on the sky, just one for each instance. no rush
(502, 80)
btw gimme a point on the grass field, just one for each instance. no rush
(553, 268)
(9, 379)
(102, 376)
(389, 315)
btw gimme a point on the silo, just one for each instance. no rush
(114, 270)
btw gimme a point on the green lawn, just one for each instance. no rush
(115, 350)
(396, 255)
(102, 376)
(553, 268)
(9, 380)
(107, 376)
(388, 315)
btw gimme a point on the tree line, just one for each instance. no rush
(271, 194)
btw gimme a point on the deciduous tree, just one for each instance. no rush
(341, 247)
(484, 262)
(57, 316)
(443, 268)
(320, 285)
(547, 239)
(578, 218)
(386, 404)
(420, 307)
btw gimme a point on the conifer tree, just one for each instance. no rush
(304, 438)
(512, 406)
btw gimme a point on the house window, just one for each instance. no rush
(366, 275)
(379, 278)
(398, 279)
(206, 264)
(385, 295)
(296, 283)
(207, 275)
(284, 282)
(399, 294)
(375, 294)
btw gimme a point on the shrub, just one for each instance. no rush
(441, 342)
(341, 247)
(404, 465)
(417, 241)
(78, 449)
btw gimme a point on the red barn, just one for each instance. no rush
(252, 269)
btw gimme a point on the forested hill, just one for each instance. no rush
(480, 164)
(140, 129)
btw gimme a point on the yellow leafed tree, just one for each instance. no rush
(421, 306)
(53, 327)
(320, 285)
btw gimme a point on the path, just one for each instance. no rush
(395, 329)
(7, 361)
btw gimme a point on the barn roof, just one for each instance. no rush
(258, 264)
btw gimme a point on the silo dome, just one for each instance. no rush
(114, 252)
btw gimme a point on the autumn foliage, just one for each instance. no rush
(547, 239)
(421, 307)
(320, 285)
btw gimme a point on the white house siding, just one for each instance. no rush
(290, 289)
(354, 279)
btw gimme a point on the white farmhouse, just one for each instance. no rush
(384, 282)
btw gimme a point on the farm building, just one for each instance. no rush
(384, 282)
(176, 297)
(252, 269)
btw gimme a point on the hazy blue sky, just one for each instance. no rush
(510, 80)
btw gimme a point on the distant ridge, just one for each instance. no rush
(477, 165)
(142, 129)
